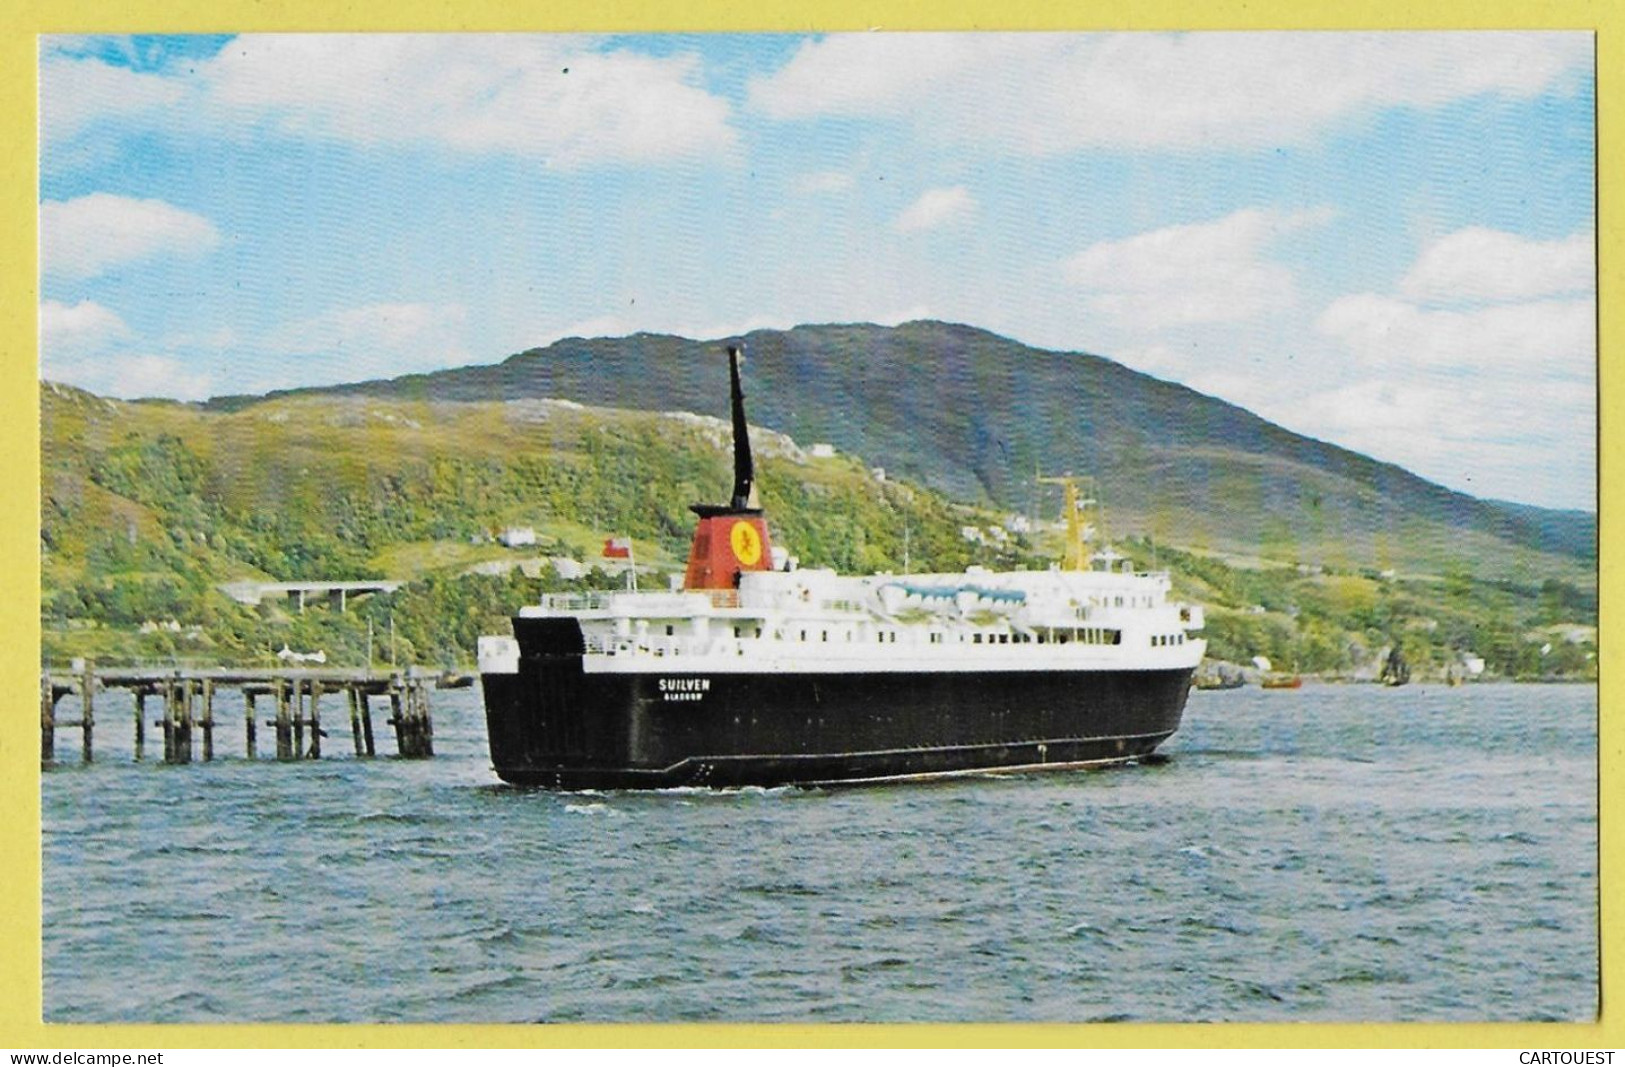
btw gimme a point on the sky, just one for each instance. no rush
(1383, 240)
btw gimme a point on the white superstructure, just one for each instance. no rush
(819, 621)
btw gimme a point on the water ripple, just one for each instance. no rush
(1323, 868)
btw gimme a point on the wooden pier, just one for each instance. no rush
(186, 708)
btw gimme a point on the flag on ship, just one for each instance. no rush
(618, 548)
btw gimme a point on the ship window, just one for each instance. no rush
(758, 631)
(823, 635)
(977, 639)
(804, 635)
(670, 630)
(1043, 638)
(1115, 637)
(1004, 639)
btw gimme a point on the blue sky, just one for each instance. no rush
(1383, 240)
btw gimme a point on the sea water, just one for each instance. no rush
(1330, 853)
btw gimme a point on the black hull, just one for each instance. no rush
(554, 725)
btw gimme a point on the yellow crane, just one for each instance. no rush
(1076, 555)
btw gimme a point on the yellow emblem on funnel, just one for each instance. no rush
(746, 542)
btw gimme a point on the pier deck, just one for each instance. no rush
(293, 695)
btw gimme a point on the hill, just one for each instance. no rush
(973, 415)
(148, 508)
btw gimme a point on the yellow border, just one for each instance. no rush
(20, 994)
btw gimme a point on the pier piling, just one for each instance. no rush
(298, 720)
(180, 726)
(140, 722)
(188, 699)
(87, 720)
(397, 719)
(284, 726)
(425, 723)
(250, 741)
(355, 720)
(366, 719)
(208, 719)
(47, 719)
(315, 722)
(168, 722)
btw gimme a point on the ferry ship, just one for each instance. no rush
(757, 672)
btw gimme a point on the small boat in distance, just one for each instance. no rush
(1395, 671)
(1270, 678)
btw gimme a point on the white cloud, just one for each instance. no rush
(82, 327)
(1543, 338)
(371, 341)
(89, 346)
(1496, 398)
(566, 100)
(1205, 272)
(824, 181)
(1477, 264)
(133, 375)
(1534, 443)
(77, 92)
(95, 234)
(1044, 93)
(934, 208)
(556, 98)
(600, 326)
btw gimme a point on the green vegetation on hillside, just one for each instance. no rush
(147, 509)
(1340, 623)
(972, 415)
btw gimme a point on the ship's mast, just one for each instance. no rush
(730, 538)
(744, 497)
(1075, 557)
